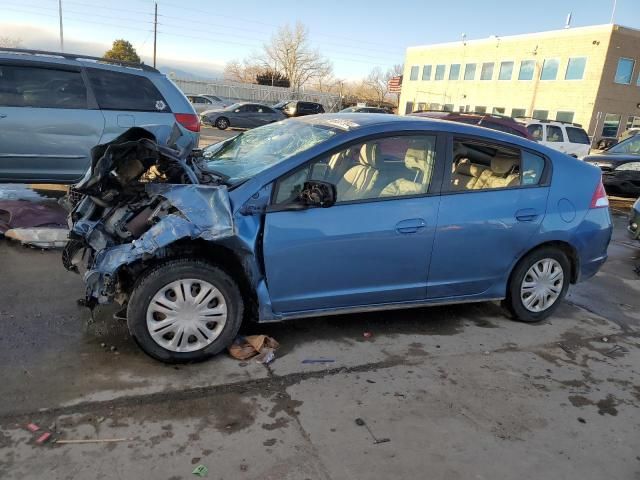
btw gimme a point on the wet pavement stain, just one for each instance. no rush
(606, 406)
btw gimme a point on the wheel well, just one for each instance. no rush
(223, 118)
(565, 247)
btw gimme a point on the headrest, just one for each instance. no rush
(415, 159)
(502, 165)
(368, 154)
(465, 167)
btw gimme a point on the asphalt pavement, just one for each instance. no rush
(454, 392)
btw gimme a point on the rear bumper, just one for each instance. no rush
(592, 239)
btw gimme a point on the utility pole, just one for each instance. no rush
(613, 12)
(60, 15)
(155, 32)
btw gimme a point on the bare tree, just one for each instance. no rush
(289, 52)
(9, 42)
(377, 83)
(244, 72)
(324, 81)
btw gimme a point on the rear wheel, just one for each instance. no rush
(184, 311)
(222, 123)
(538, 284)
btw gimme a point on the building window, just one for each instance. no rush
(526, 69)
(498, 110)
(611, 125)
(470, 71)
(549, 69)
(448, 107)
(564, 117)
(421, 107)
(633, 122)
(461, 109)
(487, 71)
(426, 72)
(408, 107)
(575, 68)
(440, 72)
(454, 71)
(480, 109)
(506, 71)
(518, 112)
(624, 72)
(540, 114)
(414, 72)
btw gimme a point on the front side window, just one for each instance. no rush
(123, 91)
(540, 114)
(611, 125)
(454, 71)
(506, 70)
(377, 169)
(440, 72)
(630, 145)
(470, 71)
(564, 117)
(487, 71)
(414, 72)
(535, 130)
(526, 69)
(518, 112)
(624, 71)
(554, 134)
(630, 166)
(41, 88)
(488, 166)
(550, 69)
(575, 68)
(426, 72)
(578, 135)
(249, 153)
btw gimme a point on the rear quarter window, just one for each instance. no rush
(122, 91)
(577, 135)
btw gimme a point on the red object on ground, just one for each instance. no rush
(32, 427)
(367, 334)
(43, 438)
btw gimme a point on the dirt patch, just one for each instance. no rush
(606, 406)
(281, 422)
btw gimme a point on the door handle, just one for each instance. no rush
(411, 225)
(3, 115)
(527, 215)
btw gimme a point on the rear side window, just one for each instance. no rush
(554, 134)
(41, 87)
(122, 91)
(535, 130)
(577, 135)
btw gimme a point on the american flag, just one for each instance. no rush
(395, 84)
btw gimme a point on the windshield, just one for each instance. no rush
(630, 145)
(348, 109)
(281, 104)
(233, 106)
(251, 152)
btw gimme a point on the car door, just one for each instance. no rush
(491, 206)
(127, 99)
(48, 123)
(373, 246)
(265, 115)
(244, 116)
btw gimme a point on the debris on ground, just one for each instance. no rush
(263, 346)
(93, 440)
(367, 334)
(605, 339)
(318, 360)
(615, 349)
(43, 438)
(200, 471)
(32, 427)
(361, 423)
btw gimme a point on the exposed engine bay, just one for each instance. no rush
(143, 192)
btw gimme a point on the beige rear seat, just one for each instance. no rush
(466, 175)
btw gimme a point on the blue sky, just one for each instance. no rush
(356, 35)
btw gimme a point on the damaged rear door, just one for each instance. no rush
(48, 122)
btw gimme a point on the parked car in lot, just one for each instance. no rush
(492, 121)
(569, 138)
(55, 107)
(204, 102)
(620, 165)
(299, 108)
(364, 110)
(241, 115)
(331, 214)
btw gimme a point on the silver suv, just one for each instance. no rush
(55, 107)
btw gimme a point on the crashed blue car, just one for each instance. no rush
(328, 214)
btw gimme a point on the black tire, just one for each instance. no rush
(223, 123)
(157, 278)
(513, 302)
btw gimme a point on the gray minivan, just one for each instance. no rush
(54, 107)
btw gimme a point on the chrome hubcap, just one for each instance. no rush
(542, 285)
(186, 315)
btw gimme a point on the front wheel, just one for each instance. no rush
(184, 311)
(538, 284)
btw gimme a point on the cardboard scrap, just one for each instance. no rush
(244, 348)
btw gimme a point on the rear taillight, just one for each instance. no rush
(599, 199)
(190, 121)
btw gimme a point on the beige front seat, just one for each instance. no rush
(419, 160)
(359, 180)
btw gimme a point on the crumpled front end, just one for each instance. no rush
(138, 199)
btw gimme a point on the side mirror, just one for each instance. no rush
(318, 194)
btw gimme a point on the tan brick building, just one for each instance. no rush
(587, 75)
